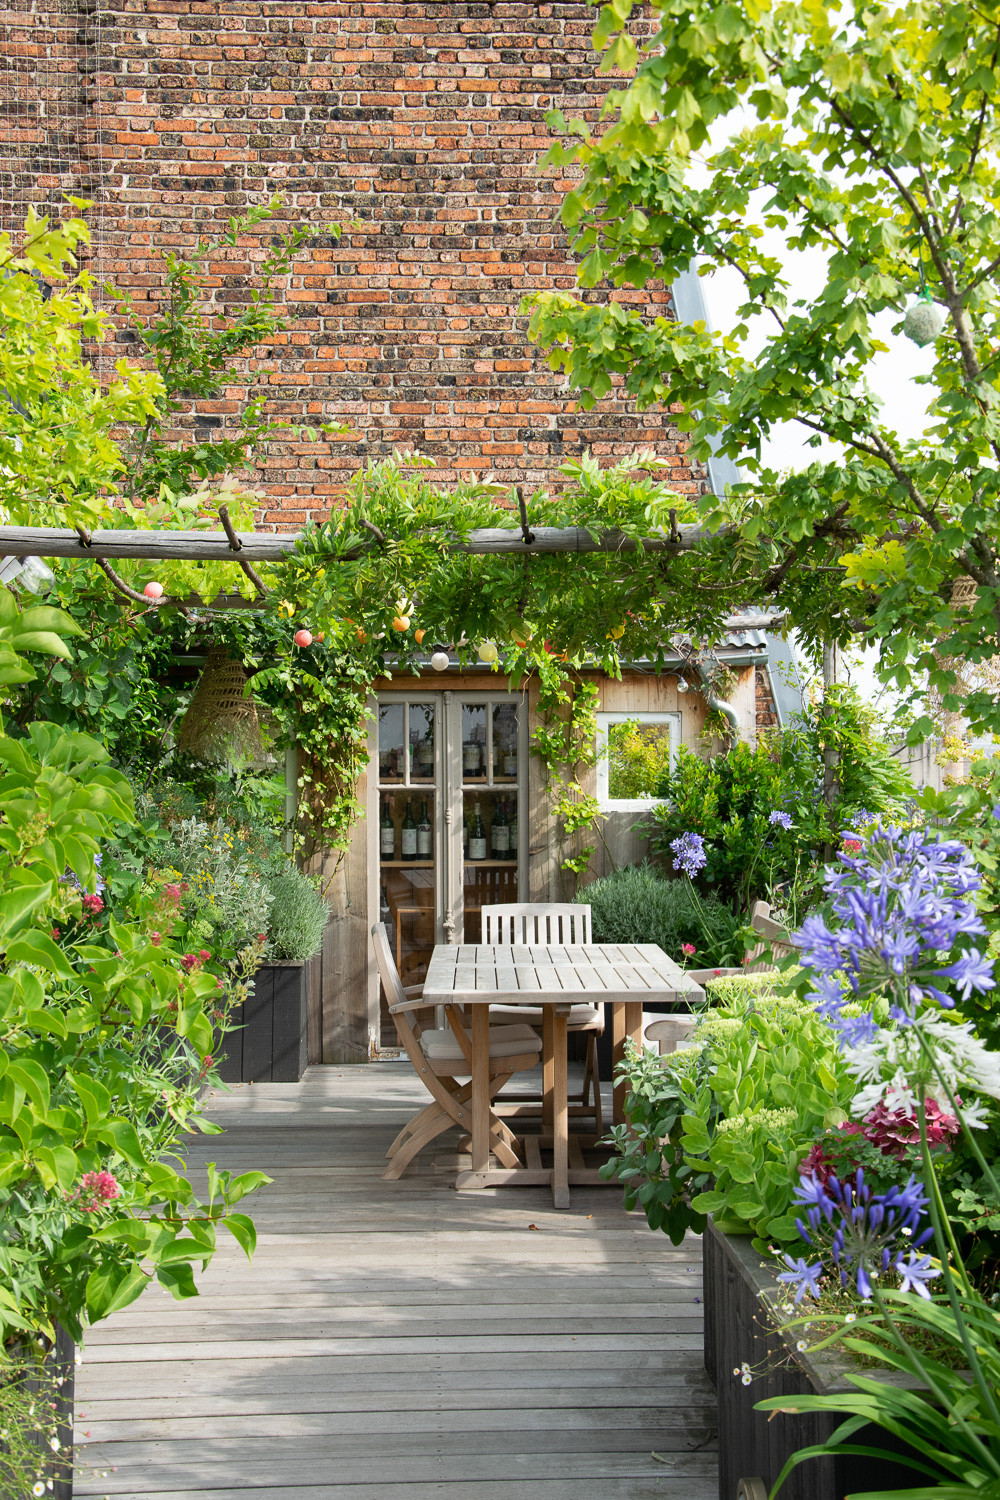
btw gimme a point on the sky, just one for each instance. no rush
(891, 375)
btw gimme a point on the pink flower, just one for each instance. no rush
(204, 954)
(55, 932)
(262, 937)
(688, 949)
(852, 846)
(156, 938)
(173, 891)
(92, 905)
(95, 1190)
(190, 961)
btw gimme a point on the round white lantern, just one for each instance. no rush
(439, 661)
(487, 653)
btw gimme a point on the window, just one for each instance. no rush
(633, 752)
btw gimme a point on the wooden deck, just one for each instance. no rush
(396, 1339)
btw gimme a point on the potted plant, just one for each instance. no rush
(266, 1042)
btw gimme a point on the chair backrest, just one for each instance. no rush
(776, 942)
(408, 1028)
(670, 1032)
(536, 924)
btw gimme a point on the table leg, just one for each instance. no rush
(560, 1107)
(626, 1020)
(548, 1068)
(480, 1035)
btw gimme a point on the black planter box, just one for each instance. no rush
(60, 1363)
(268, 1044)
(756, 1444)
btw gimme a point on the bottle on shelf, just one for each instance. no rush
(387, 832)
(425, 835)
(408, 832)
(465, 835)
(477, 836)
(499, 833)
(384, 912)
(512, 831)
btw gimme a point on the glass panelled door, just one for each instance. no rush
(491, 807)
(408, 830)
(448, 829)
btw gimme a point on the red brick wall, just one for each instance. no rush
(420, 126)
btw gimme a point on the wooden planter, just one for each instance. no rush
(756, 1444)
(61, 1363)
(269, 1042)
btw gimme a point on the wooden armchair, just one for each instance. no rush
(442, 1057)
(536, 925)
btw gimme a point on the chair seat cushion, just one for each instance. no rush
(440, 1044)
(581, 1017)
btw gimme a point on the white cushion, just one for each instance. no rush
(440, 1044)
(579, 1015)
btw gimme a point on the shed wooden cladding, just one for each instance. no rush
(401, 1339)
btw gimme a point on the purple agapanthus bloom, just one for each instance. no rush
(859, 1235)
(898, 906)
(780, 820)
(689, 854)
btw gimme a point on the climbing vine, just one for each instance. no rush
(565, 741)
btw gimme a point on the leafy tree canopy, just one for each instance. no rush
(875, 144)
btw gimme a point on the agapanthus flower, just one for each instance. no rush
(780, 820)
(857, 1234)
(689, 854)
(899, 904)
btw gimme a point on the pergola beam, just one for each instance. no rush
(260, 547)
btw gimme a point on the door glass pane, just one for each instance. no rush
(407, 852)
(504, 742)
(390, 741)
(422, 742)
(473, 742)
(490, 831)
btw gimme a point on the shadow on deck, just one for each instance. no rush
(396, 1339)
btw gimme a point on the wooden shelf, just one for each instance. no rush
(407, 864)
(490, 864)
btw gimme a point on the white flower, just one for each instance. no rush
(851, 1318)
(55, 1444)
(974, 1115)
(38, 1488)
(745, 1380)
(802, 1344)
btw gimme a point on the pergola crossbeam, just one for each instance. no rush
(261, 547)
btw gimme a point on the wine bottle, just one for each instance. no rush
(384, 911)
(512, 831)
(408, 830)
(477, 836)
(424, 835)
(500, 833)
(387, 833)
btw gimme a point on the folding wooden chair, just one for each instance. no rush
(537, 925)
(442, 1057)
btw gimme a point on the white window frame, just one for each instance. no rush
(604, 721)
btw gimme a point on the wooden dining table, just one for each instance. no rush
(555, 977)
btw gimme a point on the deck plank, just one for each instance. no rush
(525, 1350)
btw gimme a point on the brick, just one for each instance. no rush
(420, 127)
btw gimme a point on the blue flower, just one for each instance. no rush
(915, 1273)
(782, 819)
(689, 854)
(805, 1278)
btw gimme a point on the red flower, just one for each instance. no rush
(688, 949)
(92, 905)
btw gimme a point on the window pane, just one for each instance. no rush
(390, 742)
(638, 759)
(473, 742)
(504, 742)
(421, 741)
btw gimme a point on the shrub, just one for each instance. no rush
(297, 916)
(637, 905)
(728, 989)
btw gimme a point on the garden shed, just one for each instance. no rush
(458, 813)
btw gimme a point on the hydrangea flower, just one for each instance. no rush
(780, 820)
(689, 854)
(859, 1235)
